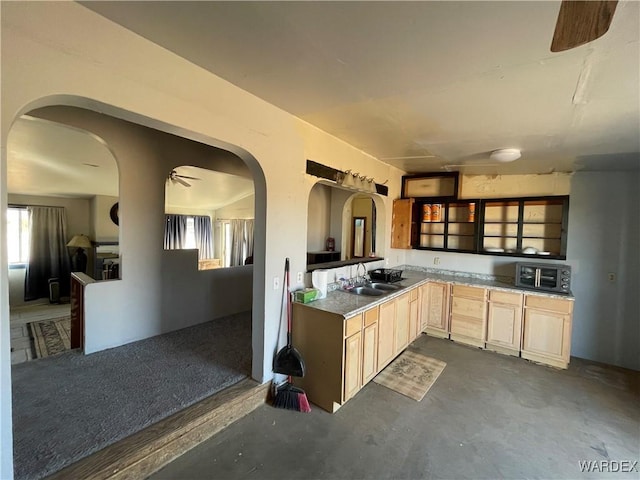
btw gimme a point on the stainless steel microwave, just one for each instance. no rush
(544, 276)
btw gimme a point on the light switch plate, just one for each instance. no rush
(299, 278)
(276, 283)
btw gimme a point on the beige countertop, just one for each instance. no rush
(347, 304)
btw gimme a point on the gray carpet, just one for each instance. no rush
(68, 406)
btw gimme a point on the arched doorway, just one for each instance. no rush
(143, 302)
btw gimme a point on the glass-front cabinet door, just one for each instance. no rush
(535, 227)
(447, 225)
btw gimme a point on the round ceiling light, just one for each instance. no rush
(505, 155)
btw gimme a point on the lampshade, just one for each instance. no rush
(80, 241)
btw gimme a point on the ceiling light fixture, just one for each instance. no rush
(505, 155)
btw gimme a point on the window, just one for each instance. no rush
(190, 237)
(18, 236)
(224, 242)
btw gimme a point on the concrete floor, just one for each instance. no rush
(487, 416)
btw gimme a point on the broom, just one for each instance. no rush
(287, 395)
(291, 397)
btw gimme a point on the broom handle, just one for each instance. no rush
(286, 272)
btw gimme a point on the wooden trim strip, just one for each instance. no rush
(322, 171)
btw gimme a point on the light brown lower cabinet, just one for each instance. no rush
(352, 365)
(469, 315)
(434, 309)
(504, 322)
(370, 345)
(386, 333)
(414, 314)
(546, 335)
(402, 323)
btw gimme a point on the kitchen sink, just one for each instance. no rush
(367, 291)
(384, 286)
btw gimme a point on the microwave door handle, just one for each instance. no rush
(537, 281)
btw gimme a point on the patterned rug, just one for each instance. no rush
(411, 374)
(51, 337)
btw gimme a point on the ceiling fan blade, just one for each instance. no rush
(186, 176)
(180, 181)
(581, 22)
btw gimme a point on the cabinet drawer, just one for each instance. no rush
(509, 298)
(551, 304)
(352, 325)
(469, 292)
(370, 316)
(413, 295)
(465, 307)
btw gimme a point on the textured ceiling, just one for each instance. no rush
(421, 85)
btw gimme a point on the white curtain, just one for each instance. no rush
(48, 254)
(248, 238)
(241, 241)
(175, 231)
(202, 231)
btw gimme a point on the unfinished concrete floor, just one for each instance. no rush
(487, 416)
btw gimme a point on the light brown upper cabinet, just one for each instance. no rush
(402, 224)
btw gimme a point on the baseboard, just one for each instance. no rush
(147, 451)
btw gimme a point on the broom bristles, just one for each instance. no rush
(291, 398)
(303, 403)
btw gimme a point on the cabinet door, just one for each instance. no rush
(401, 223)
(434, 311)
(402, 323)
(386, 333)
(414, 320)
(352, 365)
(546, 337)
(504, 325)
(369, 352)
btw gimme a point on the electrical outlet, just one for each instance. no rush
(436, 261)
(612, 277)
(299, 278)
(276, 283)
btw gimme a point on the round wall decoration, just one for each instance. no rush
(113, 213)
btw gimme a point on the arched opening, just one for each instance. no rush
(212, 212)
(337, 216)
(150, 299)
(62, 182)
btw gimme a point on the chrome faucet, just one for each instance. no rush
(361, 279)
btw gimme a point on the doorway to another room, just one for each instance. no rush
(149, 360)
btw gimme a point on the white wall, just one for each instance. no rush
(604, 238)
(340, 202)
(318, 217)
(78, 57)
(243, 208)
(102, 227)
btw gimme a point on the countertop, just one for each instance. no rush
(348, 304)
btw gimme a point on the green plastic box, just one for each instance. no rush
(307, 295)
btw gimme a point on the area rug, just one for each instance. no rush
(51, 337)
(411, 374)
